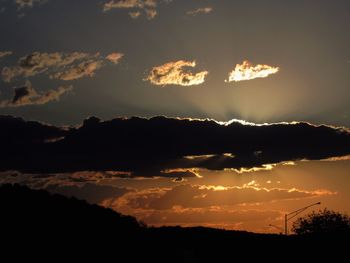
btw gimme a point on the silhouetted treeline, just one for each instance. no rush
(39, 225)
(323, 222)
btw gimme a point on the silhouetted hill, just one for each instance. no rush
(26, 207)
(36, 222)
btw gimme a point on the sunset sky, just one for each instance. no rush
(241, 86)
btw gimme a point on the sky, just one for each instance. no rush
(235, 64)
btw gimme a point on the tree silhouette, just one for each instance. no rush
(322, 222)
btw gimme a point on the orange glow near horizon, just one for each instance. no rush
(227, 199)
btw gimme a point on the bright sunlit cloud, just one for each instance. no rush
(247, 71)
(172, 73)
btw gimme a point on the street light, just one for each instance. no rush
(293, 214)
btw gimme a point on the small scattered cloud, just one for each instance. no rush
(151, 13)
(149, 7)
(38, 63)
(247, 71)
(27, 95)
(172, 73)
(135, 14)
(5, 53)
(28, 3)
(64, 66)
(84, 69)
(114, 57)
(114, 4)
(201, 10)
(57, 65)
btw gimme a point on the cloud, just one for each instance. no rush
(216, 217)
(93, 193)
(17, 132)
(38, 63)
(57, 65)
(27, 95)
(82, 185)
(151, 13)
(114, 57)
(128, 4)
(336, 159)
(84, 69)
(56, 179)
(181, 173)
(202, 10)
(135, 14)
(200, 196)
(235, 207)
(246, 71)
(149, 147)
(28, 3)
(5, 53)
(177, 173)
(148, 6)
(173, 73)
(64, 66)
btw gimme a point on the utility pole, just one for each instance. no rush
(285, 224)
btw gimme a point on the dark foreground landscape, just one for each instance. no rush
(47, 226)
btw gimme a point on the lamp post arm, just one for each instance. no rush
(293, 214)
(296, 212)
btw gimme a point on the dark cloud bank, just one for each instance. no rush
(150, 147)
